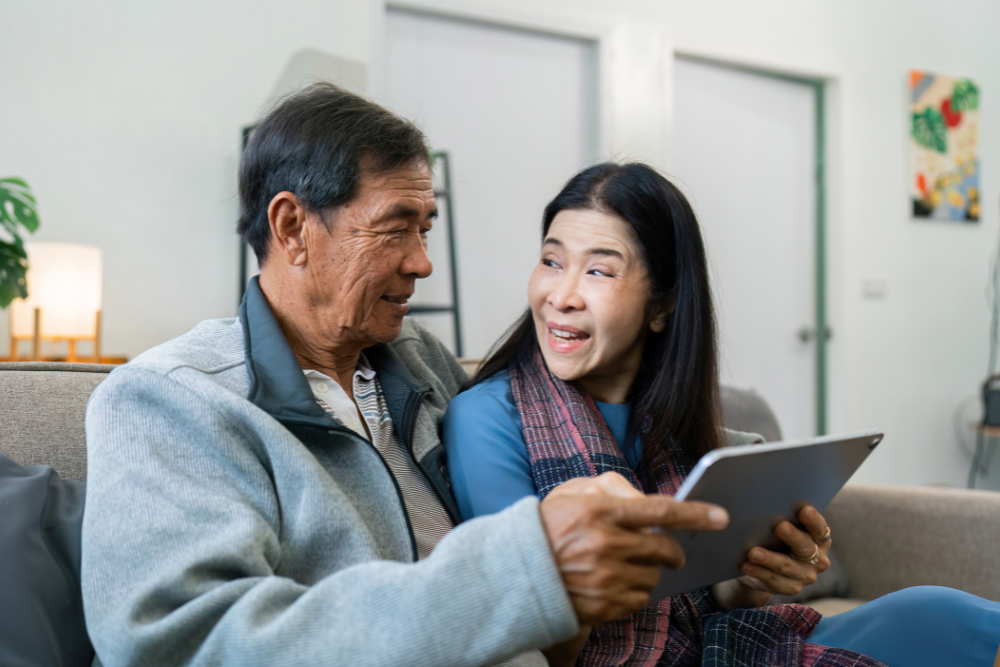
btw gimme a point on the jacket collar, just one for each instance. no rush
(277, 384)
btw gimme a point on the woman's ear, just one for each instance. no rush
(287, 218)
(661, 312)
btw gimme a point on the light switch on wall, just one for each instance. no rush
(873, 288)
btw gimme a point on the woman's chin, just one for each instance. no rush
(561, 367)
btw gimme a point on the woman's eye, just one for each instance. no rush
(549, 263)
(602, 273)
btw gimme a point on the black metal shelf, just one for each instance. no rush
(440, 158)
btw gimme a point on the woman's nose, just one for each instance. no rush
(565, 294)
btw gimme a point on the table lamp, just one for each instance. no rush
(64, 300)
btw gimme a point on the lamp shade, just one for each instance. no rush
(64, 281)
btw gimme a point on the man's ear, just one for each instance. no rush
(286, 217)
(661, 312)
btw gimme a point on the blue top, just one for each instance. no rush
(487, 456)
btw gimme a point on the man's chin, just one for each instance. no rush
(388, 333)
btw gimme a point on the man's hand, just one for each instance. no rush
(601, 532)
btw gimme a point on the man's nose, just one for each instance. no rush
(417, 263)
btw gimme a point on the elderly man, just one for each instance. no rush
(271, 489)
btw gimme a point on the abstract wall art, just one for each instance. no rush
(944, 140)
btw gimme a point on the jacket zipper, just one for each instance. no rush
(395, 484)
(410, 416)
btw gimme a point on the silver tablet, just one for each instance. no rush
(760, 486)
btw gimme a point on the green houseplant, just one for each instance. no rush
(18, 213)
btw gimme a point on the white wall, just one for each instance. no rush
(125, 119)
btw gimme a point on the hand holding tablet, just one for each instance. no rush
(767, 573)
(762, 487)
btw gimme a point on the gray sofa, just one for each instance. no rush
(887, 538)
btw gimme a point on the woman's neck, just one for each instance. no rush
(613, 389)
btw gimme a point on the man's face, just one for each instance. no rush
(361, 271)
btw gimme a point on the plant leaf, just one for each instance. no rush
(18, 209)
(13, 273)
(965, 96)
(929, 130)
(17, 206)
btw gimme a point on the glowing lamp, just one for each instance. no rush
(64, 298)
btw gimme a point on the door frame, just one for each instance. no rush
(821, 326)
(634, 70)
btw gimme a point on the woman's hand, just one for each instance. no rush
(769, 573)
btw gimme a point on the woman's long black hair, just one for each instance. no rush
(675, 397)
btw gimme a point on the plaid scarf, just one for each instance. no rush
(566, 437)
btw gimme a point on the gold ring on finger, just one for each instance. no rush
(813, 559)
(825, 538)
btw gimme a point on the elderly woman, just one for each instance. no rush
(613, 368)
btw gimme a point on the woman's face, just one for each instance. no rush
(588, 296)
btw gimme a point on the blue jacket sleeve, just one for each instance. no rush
(487, 458)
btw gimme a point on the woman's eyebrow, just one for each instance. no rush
(607, 252)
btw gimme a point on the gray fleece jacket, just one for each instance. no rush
(231, 521)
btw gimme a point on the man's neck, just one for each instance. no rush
(314, 347)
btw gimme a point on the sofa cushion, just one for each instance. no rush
(834, 606)
(890, 538)
(42, 406)
(745, 410)
(41, 607)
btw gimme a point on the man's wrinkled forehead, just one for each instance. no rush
(404, 193)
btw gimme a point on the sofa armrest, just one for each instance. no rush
(889, 538)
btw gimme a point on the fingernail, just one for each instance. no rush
(748, 568)
(755, 554)
(718, 516)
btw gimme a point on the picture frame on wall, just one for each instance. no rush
(944, 148)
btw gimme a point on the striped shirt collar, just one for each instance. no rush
(332, 396)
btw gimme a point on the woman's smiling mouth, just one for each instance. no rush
(563, 338)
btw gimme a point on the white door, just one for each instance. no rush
(745, 154)
(516, 112)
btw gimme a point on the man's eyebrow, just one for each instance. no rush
(402, 211)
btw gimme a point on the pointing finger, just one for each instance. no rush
(665, 512)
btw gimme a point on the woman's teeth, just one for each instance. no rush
(565, 335)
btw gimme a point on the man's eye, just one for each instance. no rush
(603, 274)
(549, 263)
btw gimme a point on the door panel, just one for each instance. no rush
(745, 154)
